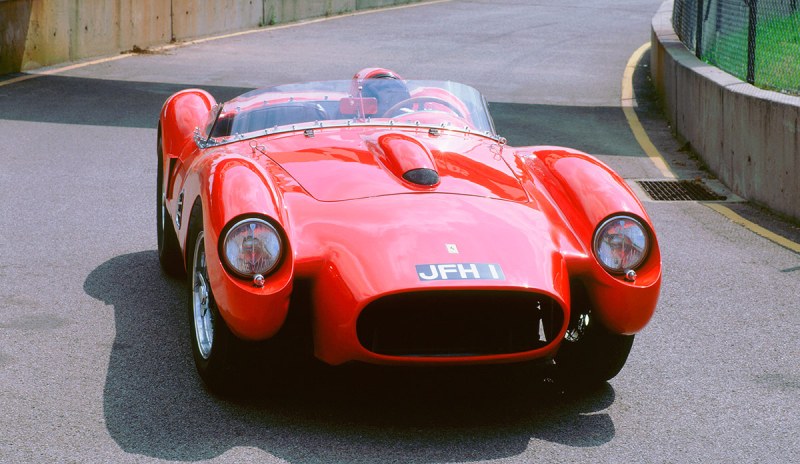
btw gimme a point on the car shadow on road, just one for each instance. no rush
(155, 405)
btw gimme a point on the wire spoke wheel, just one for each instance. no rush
(214, 347)
(203, 316)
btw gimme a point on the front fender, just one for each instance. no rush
(235, 187)
(587, 192)
(583, 187)
(180, 115)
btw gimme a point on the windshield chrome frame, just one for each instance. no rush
(208, 142)
(203, 135)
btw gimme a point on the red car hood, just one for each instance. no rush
(346, 164)
(385, 243)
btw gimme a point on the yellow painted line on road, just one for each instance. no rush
(628, 105)
(61, 69)
(755, 228)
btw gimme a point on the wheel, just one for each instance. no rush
(169, 251)
(421, 100)
(212, 341)
(592, 355)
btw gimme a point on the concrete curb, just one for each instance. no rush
(748, 137)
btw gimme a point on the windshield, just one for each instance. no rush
(435, 105)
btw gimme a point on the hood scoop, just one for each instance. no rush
(407, 158)
(372, 162)
(422, 176)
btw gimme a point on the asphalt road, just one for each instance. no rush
(95, 364)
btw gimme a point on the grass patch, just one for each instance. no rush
(777, 65)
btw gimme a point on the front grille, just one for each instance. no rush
(459, 323)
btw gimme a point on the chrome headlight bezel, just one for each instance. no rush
(634, 232)
(275, 246)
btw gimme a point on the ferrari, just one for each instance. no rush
(407, 228)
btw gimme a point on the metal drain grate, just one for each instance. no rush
(678, 190)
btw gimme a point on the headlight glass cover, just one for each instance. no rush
(621, 243)
(252, 246)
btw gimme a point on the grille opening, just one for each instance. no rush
(459, 323)
(678, 190)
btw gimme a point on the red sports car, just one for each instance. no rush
(411, 231)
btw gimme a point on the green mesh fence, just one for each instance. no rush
(757, 41)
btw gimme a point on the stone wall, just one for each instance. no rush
(35, 33)
(748, 137)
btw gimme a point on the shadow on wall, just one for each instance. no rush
(155, 405)
(15, 18)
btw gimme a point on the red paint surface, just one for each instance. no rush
(357, 229)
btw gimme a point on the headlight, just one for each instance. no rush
(252, 246)
(621, 244)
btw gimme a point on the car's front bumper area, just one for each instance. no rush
(438, 326)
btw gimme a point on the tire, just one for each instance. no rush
(212, 342)
(596, 357)
(169, 251)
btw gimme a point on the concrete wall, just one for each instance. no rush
(35, 33)
(748, 137)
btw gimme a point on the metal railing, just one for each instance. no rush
(755, 40)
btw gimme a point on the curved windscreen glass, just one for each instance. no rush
(369, 102)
